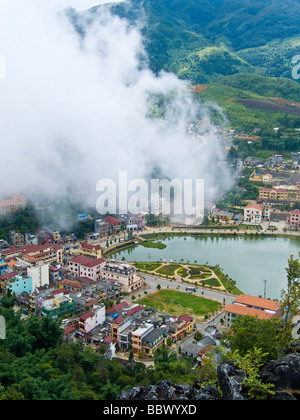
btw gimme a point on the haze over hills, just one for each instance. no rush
(112, 69)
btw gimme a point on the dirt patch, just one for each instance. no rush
(199, 88)
(272, 105)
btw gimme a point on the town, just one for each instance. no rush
(78, 281)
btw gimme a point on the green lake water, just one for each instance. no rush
(248, 261)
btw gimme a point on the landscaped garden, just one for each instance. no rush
(196, 275)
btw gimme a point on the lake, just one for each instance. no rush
(248, 261)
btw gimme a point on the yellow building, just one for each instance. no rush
(154, 340)
(90, 250)
(181, 327)
(276, 194)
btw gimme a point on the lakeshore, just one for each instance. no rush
(256, 263)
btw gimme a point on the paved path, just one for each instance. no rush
(219, 296)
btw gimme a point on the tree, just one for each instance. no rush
(249, 332)
(290, 298)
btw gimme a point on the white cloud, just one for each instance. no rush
(73, 109)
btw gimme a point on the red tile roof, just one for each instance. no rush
(8, 275)
(86, 245)
(89, 314)
(86, 261)
(117, 320)
(58, 291)
(186, 318)
(244, 310)
(258, 302)
(254, 206)
(134, 310)
(68, 330)
(116, 308)
(72, 283)
(112, 220)
(109, 339)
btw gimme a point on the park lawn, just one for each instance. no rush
(178, 303)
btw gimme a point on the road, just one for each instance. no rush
(221, 297)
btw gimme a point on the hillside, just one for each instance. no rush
(205, 40)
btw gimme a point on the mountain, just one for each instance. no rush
(202, 40)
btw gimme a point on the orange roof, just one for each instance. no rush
(258, 302)
(244, 310)
(254, 206)
(86, 245)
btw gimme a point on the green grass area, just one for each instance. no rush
(178, 303)
(150, 244)
(169, 269)
(148, 266)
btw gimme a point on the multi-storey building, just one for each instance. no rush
(86, 267)
(91, 319)
(293, 218)
(19, 284)
(90, 250)
(138, 335)
(12, 204)
(46, 253)
(255, 213)
(101, 227)
(57, 305)
(154, 340)
(252, 306)
(180, 327)
(280, 194)
(123, 272)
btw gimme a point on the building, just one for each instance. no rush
(113, 223)
(19, 284)
(252, 306)
(72, 285)
(123, 272)
(101, 227)
(57, 305)
(12, 204)
(16, 238)
(4, 278)
(180, 327)
(86, 267)
(90, 250)
(221, 215)
(293, 218)
(91, 319)
(267, 178)
(138, 335)
(3, 266)
(256, 213)
(39, 274)
(279, 194)
(46, 253)
(154, 340)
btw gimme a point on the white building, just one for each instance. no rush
(92, 319)
(39, 275)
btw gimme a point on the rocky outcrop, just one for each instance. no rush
(284, 374)
(231, 381)
(167, 390)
